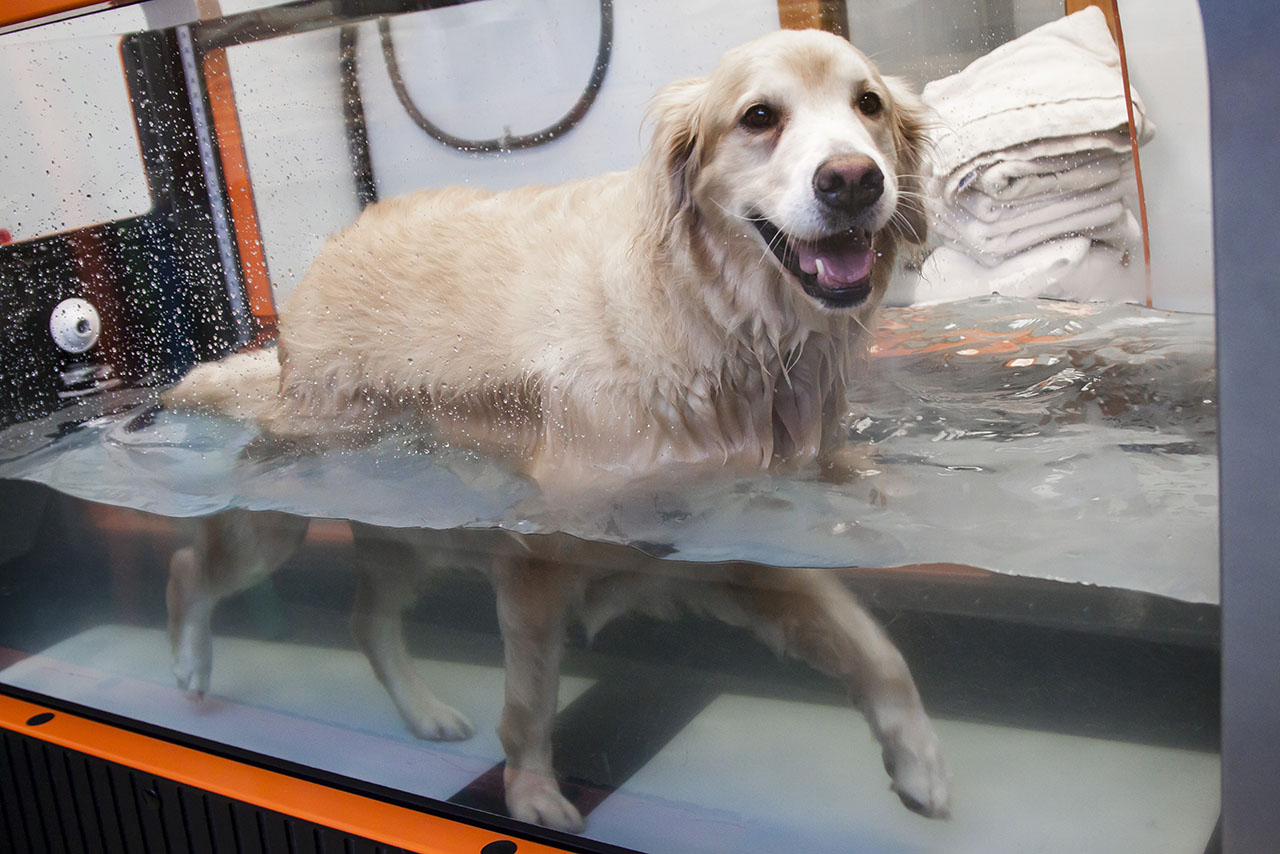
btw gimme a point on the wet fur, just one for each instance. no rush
(598, 331)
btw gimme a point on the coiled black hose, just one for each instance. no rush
(550, 133)
(353, 113)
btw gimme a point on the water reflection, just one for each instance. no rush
(666, 731)
(1039, 438)
(542, 584)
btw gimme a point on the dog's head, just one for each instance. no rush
(797, 148)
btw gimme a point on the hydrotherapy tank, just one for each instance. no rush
(1036, 524)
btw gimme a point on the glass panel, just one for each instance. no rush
(597, 506)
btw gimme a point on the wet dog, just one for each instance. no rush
(704, 310)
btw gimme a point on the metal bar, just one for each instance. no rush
(353, 112)
(213, 184)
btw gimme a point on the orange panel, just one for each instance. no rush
(235, 171)
(1112, 12)
(343, 811)
(799, 14)
(1108, 9)
(17, 11)
(829, 15)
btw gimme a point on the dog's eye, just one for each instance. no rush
(759, 117)
(870, 104)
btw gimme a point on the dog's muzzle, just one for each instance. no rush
(835, 270)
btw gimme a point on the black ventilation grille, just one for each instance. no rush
(55, 800)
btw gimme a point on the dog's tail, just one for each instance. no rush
(244, 386)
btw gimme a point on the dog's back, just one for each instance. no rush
(664, 316)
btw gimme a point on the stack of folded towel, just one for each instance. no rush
(1031, 169)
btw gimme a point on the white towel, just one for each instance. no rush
(992, 243)
(1069, 268)
(1045, 165)
(1013, 181)
(1000, 217)
(1056, 90)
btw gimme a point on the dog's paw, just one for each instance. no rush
(190, 625)
(536, 798)
(193, 664)
(193, 652)
(913, 758)
(437, 721)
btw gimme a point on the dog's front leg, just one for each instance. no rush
(810, 614)
(387, 580)
(533, 598)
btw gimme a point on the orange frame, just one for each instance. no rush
(239, 193)
(17, 11)
(314, 802)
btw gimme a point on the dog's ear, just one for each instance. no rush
(911, 120)
(674, 151)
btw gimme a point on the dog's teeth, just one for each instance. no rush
(818, 261)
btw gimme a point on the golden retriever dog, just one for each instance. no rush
(704, 310)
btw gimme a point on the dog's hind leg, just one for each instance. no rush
(388, 577)
(809, 614)
(533, 603)
(233, 551)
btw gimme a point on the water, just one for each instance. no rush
(1049, 439)
(1039, 439)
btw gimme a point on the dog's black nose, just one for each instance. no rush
(849, 183)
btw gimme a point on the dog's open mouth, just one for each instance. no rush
(835, 270)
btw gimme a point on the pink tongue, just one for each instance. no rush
(841, 266)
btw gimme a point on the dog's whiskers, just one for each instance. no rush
(742, 217)
(900, 219)
(858, 320)
(770, 247)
